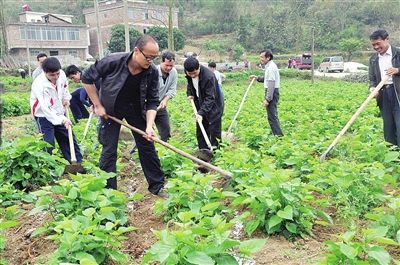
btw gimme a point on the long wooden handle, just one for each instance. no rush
(203, 131)
(71, 139)
(354, 117)
(240, 106)
(87, 125)
(176, 150)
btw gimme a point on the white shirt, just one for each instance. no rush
(46, 98)
(220, 77)
(271, 74)
(196, 85)
(385, 62)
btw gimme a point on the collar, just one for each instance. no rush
(388, 52)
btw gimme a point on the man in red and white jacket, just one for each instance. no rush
(49, 96)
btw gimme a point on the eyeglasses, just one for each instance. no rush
(149, 57)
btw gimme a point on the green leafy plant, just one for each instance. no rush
(192, 192)
(24, 164)
(88, 219)
(203, 242)
(366, 250)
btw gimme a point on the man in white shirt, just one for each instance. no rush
(271, 80)
(168, 79)
(386, 62)
(49, 96)
(40, 58)
(220, 76)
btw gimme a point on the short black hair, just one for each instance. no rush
(379, 34)
(268, 53)
(40, 55)
(167, 55)
(212, 65)
(143, 40)
(72, 70)
(191, 64)
(51, 65)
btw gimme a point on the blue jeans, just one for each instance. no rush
(390, 112)
(60, 133)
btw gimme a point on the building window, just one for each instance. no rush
(146, 15)
(49, 33)
(73, 53)
(131, 13)
(34, 53)
(53, 53)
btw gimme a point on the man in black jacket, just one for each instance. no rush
(202, 87)
(129, 90)
(386, 62)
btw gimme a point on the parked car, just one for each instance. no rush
(332, 64)
(301, 62)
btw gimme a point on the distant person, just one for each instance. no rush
(22, 73)
(80, 100)
(167, 81)
(220, 76)
(40, 58)
(129, 90)
(386, 61)
(271, 80)
(202, 87)
(49, 97)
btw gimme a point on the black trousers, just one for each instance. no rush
(272, 114)
(108, 137)
(213, 131)
(390, 112)
(162, 123)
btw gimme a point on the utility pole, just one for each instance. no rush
(312, 55)
(170, 26)
(127, 44)
(4, 45)
(28, 53)
(99, 37)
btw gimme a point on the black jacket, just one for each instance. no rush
(113, 71)
(210, 102)
(375, 74)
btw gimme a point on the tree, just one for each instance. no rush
(161, 35)
(350, 46)
(117, 40)
(237, 52)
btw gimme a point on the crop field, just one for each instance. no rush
(282, 205)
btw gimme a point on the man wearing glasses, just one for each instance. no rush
(129, 90)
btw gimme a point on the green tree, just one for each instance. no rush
(237, 52)
(117, 40)
(161, 35)
(350, 46)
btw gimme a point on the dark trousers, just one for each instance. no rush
(272, 114)
(162, 123)
(78, 110)
(60, 133)
(213, 131)
(390, 112)
(108, 137)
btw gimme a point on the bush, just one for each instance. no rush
(357, 78)
(15, 104)
(295, 73)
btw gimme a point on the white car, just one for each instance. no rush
(332, 64)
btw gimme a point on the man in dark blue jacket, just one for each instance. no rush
(203, 88)
(129, 90)
(386, 62)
